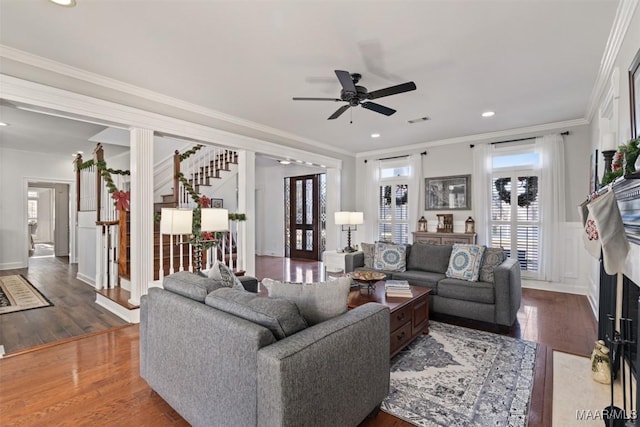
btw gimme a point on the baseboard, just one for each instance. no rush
(593, 304)
(131, 316)
(555, 287)
(86, 279)
(13, 265)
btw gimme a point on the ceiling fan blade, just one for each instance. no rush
(378, 108)
(346, 81)
(339, 112)
(392, 90)
(316, 99)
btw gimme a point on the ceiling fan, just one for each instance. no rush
(358, 95)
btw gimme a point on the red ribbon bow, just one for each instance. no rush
(122, 200)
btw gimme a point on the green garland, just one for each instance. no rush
(187, 185)
(191, 152)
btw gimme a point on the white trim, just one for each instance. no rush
(77, 73)
(621, 22)
(593, 304)
(477, 138)
(555, 287)
(12, 265)
(86, 279)
(26, 92)
(131, 316)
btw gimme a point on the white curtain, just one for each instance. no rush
(371, 200)
(552, 200)
(416, 192)
(481, 186)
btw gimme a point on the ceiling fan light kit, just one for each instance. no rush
(355, 95)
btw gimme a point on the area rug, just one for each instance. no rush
(462, 377)
(17, 294)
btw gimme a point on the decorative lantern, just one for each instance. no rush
(470, 226)
(422, 224)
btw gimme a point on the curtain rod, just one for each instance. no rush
(424, 153)
(516, 140)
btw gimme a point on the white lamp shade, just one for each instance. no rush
(213, 219)
(609, 142)
(342, 218)
(356, 218)
(176, 221)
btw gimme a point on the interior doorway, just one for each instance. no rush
(305, 227)
(48, 219)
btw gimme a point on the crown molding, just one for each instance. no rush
(74, 104)
(479, 138)
(624, 14)
(113, 84)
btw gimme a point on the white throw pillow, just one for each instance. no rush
(214, 271)
(318, 301)
(465, 261)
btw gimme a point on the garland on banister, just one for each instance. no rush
(187, 185)
(85, 165)
(120, 198)
(191, 152)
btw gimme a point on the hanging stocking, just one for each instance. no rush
(608, 221)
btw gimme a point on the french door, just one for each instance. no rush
(304, 217)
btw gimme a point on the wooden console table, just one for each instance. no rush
(409, 316)
(444, 238)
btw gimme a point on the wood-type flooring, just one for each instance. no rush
(94, 380)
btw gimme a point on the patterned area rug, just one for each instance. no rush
(17, 294)
(461, 377)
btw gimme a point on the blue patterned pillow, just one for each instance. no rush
(465, 262)
(390, 257)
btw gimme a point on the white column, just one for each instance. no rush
(141, 212)
(247, 205)
(333, 205)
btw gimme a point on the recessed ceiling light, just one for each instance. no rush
(3, 124)
(309, 163)
(488, 114)
(284, 162)
(298, 161)
(375, 135)
(322, 166)
(65, 3)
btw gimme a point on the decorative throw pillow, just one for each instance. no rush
(227, 277)
(318, 301)
(465, 262)
(280, 316)
(368, 250)
(190, 285)
(390, 257)
(492, 258)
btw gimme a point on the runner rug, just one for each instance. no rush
(17, 294)
(462, 377)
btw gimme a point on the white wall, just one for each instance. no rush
(16, 168)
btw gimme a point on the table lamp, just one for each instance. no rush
(350, 220)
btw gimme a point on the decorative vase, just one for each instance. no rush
(600, 363)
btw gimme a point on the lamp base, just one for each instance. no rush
(349, 249)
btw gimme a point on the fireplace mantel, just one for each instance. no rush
(627, 191)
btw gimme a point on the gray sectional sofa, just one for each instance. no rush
(496, 302)
(216, 368)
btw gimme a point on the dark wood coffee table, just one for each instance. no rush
(409, 316)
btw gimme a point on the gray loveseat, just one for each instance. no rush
(219, 369)
(496, 301)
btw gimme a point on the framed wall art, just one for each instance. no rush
(448, 193)
(217, 203)
(634, 95)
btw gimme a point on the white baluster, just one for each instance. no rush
(181, 256)
(99, 263)
(171, 270)
(161, 269)
(190, 258)
(112, 257)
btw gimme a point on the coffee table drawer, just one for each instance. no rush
(400, 317)
(400, 337)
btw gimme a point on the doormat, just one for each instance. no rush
(457, 376)
(17, 294)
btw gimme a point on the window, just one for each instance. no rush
(515, 209)
(393, 198)
(32, 205)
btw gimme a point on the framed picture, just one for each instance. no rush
(448, 193)
(634, 95)
(216, 203)
(593, 172)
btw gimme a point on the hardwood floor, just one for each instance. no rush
(74, 311)
(95, 380)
